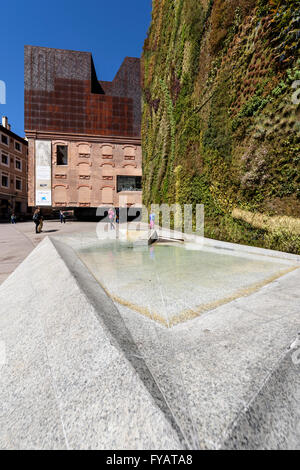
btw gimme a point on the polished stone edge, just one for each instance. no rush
(236, 247)
(271, 421)
(115, 327)
(80, 407)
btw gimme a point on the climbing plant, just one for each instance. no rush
(219, 124)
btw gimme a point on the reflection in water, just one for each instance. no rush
(152, 253)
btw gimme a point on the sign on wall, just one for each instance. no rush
(43, 172)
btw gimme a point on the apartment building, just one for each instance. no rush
(13, 173)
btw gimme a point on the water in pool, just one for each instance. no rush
(170, 283)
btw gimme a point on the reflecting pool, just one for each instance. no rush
(171, 283)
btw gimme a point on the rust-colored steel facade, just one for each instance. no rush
(65, 103)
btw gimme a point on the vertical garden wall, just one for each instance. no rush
(221, 116)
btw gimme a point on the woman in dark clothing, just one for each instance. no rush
(37, 219)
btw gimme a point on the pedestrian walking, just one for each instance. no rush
(111, 216)
(13, 218)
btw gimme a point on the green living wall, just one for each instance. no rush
(221, 119)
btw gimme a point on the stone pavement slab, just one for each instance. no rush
(66, 382)
(17, 241)
(14, 247)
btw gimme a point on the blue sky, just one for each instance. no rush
(110, 29)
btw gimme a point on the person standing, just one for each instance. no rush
(37, 218)
(40, 226)
(152, 220)
(62, 217)
(13, 218)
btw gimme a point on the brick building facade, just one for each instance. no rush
(83, 134)
(13, 173)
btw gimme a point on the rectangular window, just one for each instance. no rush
(5, 159)
(18, 164)
(18, 146)
(62, 155)
(18, 185)
(4, 181)
(4, 139)
(129, 183)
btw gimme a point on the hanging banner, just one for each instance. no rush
(43, 157)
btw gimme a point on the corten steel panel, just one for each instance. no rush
(62, 94)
